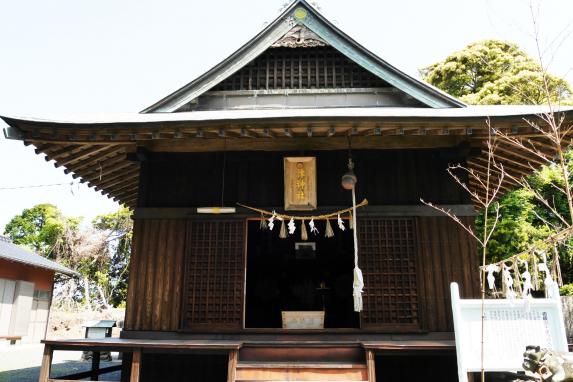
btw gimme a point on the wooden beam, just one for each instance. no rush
(507, 167)
(537, 140)
(105, 163)
(119, 178)
(494, 171)
(94, 376)
(135, 365)
(57, 150)
(98, 159)
(372, 210)
(125, 195)
(518, 154)
(232, 366)
(122, 187)
(371, 365)
(43, 147)
(80, 155)
(131, 202)
(303, 143)
(505, 158)
(46, 363)
(246, 133)
(94, 175)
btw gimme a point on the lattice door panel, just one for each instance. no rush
(387, 253)
(214, 274)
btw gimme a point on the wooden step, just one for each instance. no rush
(302, 354)
(300, 365)
(300, 372)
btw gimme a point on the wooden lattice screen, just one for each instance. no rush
(214, 275)
(387, 253)
(301, 68)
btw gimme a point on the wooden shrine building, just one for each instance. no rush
(207, 291)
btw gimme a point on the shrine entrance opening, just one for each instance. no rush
(295, 275)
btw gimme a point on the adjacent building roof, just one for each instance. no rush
(12, 252)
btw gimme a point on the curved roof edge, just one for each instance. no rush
(312, 19)
(472, 111)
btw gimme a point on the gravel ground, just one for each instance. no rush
(31, 374)
(21, 363)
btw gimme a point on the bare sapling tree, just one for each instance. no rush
(80, 249)
(484, 189)
(545, 140)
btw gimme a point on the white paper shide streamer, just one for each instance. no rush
(272, 221)
(508, 282)
(548, 281)
(340, 223)
(491, 269)
(291, 226)
(312, 226)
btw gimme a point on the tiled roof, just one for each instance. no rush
(12, 252)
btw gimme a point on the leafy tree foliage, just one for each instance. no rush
(99, 252)
(493, 72)
(37, 228)
(498, 72)
(118, 226)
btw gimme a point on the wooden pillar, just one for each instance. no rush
(126, 366)
(370, 364)
(46, 363)
(96, 355)
(135, 365)
(232, 368)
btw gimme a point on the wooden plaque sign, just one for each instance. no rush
(300, 183)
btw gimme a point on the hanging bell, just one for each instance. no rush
(349, 179)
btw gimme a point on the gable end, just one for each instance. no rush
(301, 26)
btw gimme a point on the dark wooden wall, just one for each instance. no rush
(385, 177)
(439, 253)
(156, 275)
(446, 253)
(442, 252)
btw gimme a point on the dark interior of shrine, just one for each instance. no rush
(281, 277)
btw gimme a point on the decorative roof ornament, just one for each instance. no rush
(299, 37)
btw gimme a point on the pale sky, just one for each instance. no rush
(105, 56)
